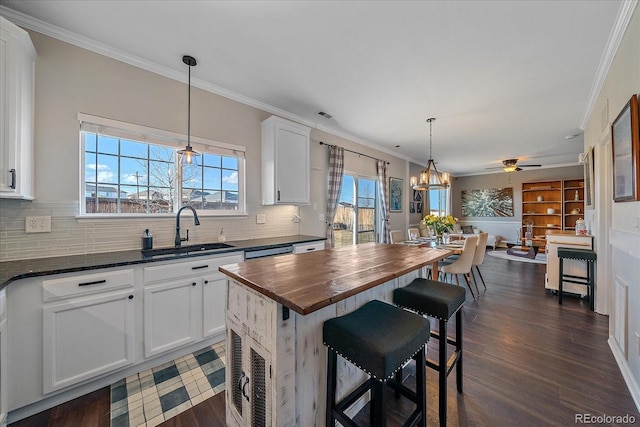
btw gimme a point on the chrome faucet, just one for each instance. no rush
(196, 221)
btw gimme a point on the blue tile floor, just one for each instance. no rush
(153, 396)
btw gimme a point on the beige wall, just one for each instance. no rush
(70, 80)
(618, 230)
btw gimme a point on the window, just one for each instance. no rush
(438, 202)
(129, 169)
(356, 211)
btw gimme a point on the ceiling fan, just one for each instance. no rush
(511, 165)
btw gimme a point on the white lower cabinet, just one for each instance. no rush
(184, 302)
(86, 337)
(170, 315)
(250, 381)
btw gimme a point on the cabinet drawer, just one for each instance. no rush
(300, 248)
(85, 284)
(199, 266)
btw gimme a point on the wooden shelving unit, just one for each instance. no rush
(559, 196)
(573, 203)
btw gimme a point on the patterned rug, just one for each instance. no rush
(155, 395)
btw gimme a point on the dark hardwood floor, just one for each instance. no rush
(527, 362)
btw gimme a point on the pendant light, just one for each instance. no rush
(430, 178)
(189, 153)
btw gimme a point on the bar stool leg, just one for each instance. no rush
(459, 350)
(376, 410)
(560, 274)
(442, 372)
(421, 385)
(591, 287)
(332, 365)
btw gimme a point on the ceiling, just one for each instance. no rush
(505, 79)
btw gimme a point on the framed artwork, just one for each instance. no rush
(417, 195)
(412, 207)
(395, 194)
(625, 151)
(419, 207)
(488, 202)
(589, 193)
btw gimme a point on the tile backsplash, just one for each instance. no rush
(72, 236)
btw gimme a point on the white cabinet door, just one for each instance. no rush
(300, 248)
(285, 162)
(171, 314)
(17, 67)
(86, 337)
(213, 304)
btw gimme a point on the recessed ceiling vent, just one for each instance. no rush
(325, 115)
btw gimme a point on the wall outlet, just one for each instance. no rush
(261, 218)
(321, 217)
(37, 224)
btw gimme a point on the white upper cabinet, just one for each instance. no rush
(17, 68)
(285, 162)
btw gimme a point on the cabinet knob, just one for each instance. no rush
(130, 296)
(206, 281)
(193, 284)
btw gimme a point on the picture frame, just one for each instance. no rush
(395, 194)
(417, 195)
(589, 192)
(626, 153)
(412, 207)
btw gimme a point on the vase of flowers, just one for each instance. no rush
(439, 224)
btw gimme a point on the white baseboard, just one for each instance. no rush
(632, 384)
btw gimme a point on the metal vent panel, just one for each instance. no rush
(258, 391)
(236, 370)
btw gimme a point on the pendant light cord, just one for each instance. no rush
(189, 110)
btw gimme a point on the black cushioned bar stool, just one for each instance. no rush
(378, 338)
(442, 301)
(587, 255)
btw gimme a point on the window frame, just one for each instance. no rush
(144, 134)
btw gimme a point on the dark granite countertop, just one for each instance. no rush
(21, 269)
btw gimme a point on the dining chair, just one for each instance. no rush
(397, 236)
(414, 232)
(463, 264)
(478, 258)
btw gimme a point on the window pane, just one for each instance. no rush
(229, 180)
(132, 171)
(133, 149)
(192, 176)
(107, 145)
(107, 168)
(229, 162)
(344, 218)
(366, 208)
(90, 142)
(157, 152)
(161, 174)
(212, 160)
(212, 178)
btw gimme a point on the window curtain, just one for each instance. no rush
(382, 181)
(336, 167)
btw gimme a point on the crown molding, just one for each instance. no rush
(627, 7)
(72, 38)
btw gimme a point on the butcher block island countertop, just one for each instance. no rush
(321, 278)
(275, 311)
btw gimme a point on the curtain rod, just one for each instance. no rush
(354, 152)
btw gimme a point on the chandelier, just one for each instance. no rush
(430, 178)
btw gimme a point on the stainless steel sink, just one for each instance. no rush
(178, 250)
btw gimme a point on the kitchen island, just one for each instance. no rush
(276, 361)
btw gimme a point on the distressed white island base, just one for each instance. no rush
(276, 360)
